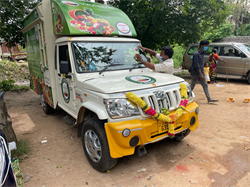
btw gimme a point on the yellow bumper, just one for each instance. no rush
(146, 130)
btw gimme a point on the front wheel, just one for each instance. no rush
(95, 145)
(47, 109)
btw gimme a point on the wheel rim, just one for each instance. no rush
(43, 102)
(93, 146)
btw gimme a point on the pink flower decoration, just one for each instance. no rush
(150, 112)
(184, 102)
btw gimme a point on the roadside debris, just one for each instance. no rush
(231, 99)
(44, 141)
(247, 148)
(246, 101)
(143, 169)
(219, 85)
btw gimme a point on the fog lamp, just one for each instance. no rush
(126, 132)
(197, 110)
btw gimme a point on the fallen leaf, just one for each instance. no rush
(247, 148)
(190, 157)
(246, 100)
(231, 99)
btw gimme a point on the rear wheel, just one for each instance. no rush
(95, 145)
(47, 109)
(248, 78)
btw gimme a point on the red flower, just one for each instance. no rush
(93, 32)
(150, 112)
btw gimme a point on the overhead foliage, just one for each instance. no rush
(12, 13)
(244, 30)
(238, 9)
(224, 30)
(164, 22)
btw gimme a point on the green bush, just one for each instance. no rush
(6, 85)
(22, 149)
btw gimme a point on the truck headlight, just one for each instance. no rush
(119, 108)
(190, 94)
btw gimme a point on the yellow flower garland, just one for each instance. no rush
(170, 119)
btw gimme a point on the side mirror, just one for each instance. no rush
(64, 67)
(148, 59)
(243, 55)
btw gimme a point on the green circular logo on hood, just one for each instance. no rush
(140, 79)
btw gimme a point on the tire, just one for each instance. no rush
(182, 135)
(248, 78)
(95, 145)
(47, 109)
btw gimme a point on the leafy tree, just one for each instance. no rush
(12, 13)
(244, 30)
(223, 30)
(238, 8)
(164, 22)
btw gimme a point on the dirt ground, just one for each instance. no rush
(213, 155)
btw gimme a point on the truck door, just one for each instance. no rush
(65, 84)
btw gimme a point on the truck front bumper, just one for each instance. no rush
(146, 131)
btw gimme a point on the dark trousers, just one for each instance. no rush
(203, 83)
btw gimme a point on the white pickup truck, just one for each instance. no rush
(81, 59)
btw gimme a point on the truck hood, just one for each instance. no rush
(125, 83)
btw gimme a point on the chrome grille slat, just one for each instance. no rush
(157, 100)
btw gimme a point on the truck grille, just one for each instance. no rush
(161, 99)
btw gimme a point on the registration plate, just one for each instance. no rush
(162, 126)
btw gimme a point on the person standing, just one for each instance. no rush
(166, 64)
(206, 72)
(197, 70)
(213, 57)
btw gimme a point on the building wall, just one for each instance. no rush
(238, 39)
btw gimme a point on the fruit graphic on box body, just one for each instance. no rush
(91, 23)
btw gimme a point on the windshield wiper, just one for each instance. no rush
(109, 66)
(134, 65)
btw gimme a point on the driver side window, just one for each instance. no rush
(64, 54)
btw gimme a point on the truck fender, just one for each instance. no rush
(89, 110)
(96, 109)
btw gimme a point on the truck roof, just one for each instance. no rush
(96, 39)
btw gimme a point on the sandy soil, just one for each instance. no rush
(213, 155)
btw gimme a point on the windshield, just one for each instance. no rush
(244, 48)
(94, 56)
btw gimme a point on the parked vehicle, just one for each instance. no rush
(15, 53)
(7, 176)
(81, 59)
(237, 56)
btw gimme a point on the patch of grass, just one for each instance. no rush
(179, 74)
(19, 89)
(22, 149)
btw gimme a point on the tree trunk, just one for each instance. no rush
(99, 1)
(6, 123)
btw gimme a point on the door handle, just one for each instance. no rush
(59, 74)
